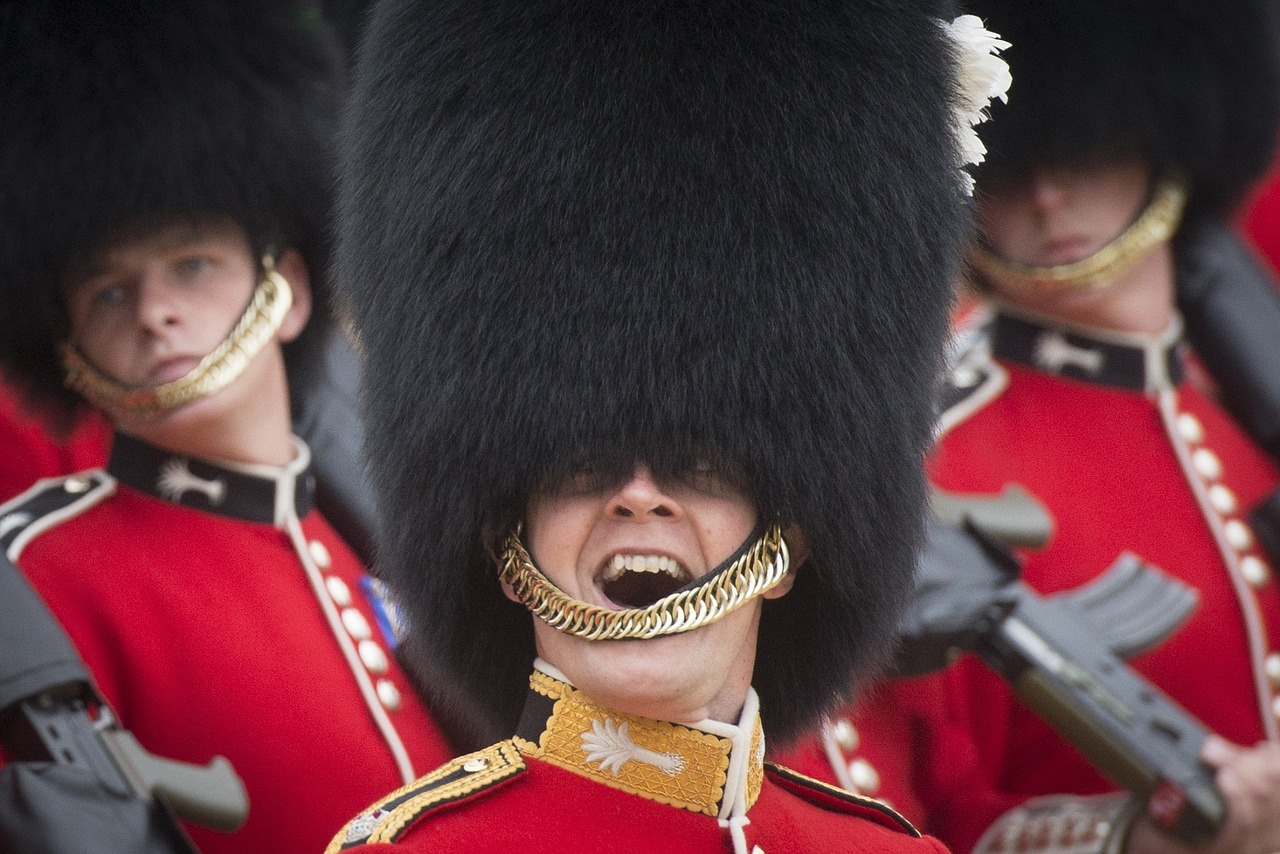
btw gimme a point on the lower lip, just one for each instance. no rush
(1067, 251)
(175, 369)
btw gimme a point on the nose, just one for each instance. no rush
(642, 498)
(157, 303)
(1047, 189)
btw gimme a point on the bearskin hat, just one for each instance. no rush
(647, 231)
(1190, 84)
(115, 113)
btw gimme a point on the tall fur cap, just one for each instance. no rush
(644, 231)
(115, 112)
(1195, 85)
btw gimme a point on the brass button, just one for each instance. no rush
(474, 764)
(1189, 428)
(338, 591)
(356, 624)
(1255, 570)
(864, 776)
(320, 554)
(845, 735)
(76, 484)
(373, 657)
(1222, 499)
(388, 694)
(1272, 666)
(1239, 537)
(1206, 462)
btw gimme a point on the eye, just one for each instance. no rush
(194, 265)
(711, 475)
(107, 296)
(583, 476)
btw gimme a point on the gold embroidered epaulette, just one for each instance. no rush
(833, 797)
(461, 778)
(48, 503)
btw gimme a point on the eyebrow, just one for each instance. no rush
(166, 240)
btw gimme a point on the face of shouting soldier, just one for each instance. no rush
(627, 544)
(146, 308)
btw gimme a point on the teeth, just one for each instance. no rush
(642, 563)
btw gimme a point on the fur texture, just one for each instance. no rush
(115, 113)
(1192, 84)
(646, 230)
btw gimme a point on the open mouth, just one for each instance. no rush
(637, 580)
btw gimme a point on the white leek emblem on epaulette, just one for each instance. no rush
(363, 826)
(176, 479)
(611, 746)
(13, 520)
(1054, 352)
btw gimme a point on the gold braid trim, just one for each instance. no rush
(1155, 225)
(267, 308)
(759, 570)
(390, 817)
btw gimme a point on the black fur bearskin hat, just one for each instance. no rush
(645, 231)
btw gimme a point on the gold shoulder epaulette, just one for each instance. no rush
(833, 797)
(462, 777)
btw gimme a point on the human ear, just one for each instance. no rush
(293, 268)
(508, 592)
(798, 547)
(490, 548)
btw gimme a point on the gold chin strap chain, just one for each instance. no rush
(759, 570)
(267, 308)
(1156, 224)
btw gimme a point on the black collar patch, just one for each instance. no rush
(1137, 363)
(253, 493)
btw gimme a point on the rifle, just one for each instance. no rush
(1062, 654)
(76, 781)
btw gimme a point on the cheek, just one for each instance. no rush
(101, 344)
(1002, 225)
(724, 530)
(555, 533)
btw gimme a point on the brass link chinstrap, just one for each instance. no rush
(271, 301)
(761, 568)
(1155, 225)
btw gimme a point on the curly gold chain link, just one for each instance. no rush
(760, 569)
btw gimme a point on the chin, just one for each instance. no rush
(181, 424)
(670, 678)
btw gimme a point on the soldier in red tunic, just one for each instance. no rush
(652, 299)
(1120, 113)
(167, 173)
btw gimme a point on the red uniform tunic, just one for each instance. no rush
(583, 778)
(1261, 217)
(898, 745)
(215, 621)
(27, 453)
(1127, 456)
